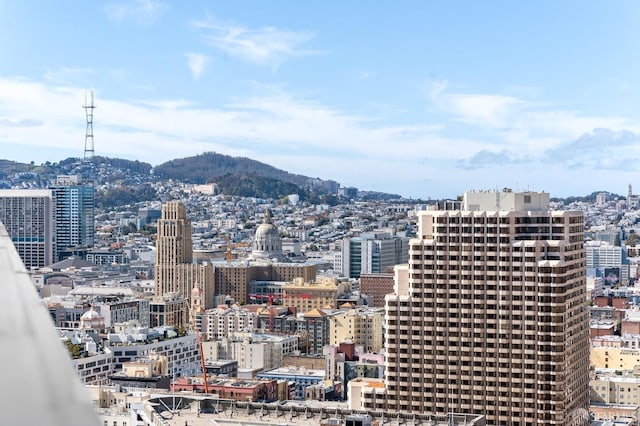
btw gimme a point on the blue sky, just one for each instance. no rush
(419, 98)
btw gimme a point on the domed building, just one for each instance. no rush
(267, 243)
(92, 320)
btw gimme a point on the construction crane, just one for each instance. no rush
(202, 360)
(270, 298)
(231, 246)
(271, 312)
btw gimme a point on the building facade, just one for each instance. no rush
(489, 315)
(360, 326)
(305, 296)
(608, 262)
(27, 215)
(377, 286)
(74, 211)
(175, 270)
(370, 253)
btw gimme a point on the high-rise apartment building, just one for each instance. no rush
(489, 315)
(175, 272)
(74, 211)
(27, 215)
(370, 253)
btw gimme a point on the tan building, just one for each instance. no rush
(615, 390)
(367, 394)
(489, 315)
(361, 326)
(233, 278)
(305, 296)
(175, 270)
(618, 358)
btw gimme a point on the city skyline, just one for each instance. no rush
(422, 100)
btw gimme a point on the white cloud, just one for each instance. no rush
(521, 130)
(197, 63)
(484, 110)
(314, 139)
(265, 45)
(142, 12)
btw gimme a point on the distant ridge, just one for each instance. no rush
(129, 181)
(208, 166)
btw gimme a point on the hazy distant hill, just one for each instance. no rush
(207, 167)
(8, 167)
(590, 198)
(234, 175)
(251, 185)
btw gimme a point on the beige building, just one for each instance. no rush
(366, 394)
(361, 326)
(233, 278)
(175, 270)
(306, 296)
(489, 315)
(252, 351)
(615, 390)
(618, 358)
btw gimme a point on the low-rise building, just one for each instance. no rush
(302, 378)
(306, 296)
(220, 322)
(150, 372)
(363, 326)
(252, 351)
(182, 352)
(230, 388)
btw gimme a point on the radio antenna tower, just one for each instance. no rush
(88, 137)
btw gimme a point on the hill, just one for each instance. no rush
(206, 167)
(126, 181)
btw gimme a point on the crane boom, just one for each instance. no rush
(202, 362)
(201, 350)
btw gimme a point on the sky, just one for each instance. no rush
(426, 99)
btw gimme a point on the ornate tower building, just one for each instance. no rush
(175, 272)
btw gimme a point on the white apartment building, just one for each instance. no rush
(221, 322)
(182, 352)
(252, 351)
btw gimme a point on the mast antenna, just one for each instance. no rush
(88, 137)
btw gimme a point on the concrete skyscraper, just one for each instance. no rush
(489, 315)
(27, 215)
(175, 272)
(74, 211)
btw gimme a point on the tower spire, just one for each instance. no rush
(88, 137)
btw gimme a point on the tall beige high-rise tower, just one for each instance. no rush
(175, 272)
(489, 315)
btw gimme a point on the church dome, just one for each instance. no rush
(266, 229)
(91, 315)
(92, 320)
(267, 243)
